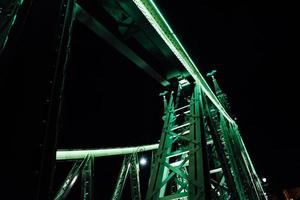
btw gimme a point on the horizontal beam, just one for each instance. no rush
(100, 30)
(80, 154)
(156, 19)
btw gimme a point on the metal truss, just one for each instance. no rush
(130, 163)
(201, 156)
(83, 168)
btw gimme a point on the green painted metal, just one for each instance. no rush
(201, 156)
(159, 172)
(122, 178)
(87, 179)
(179, 169)
(239, 172)
(134, 178)
(219, 93)
(131, 164)
(75, 154)
(196, 155)
(245, 174)
(73, 175)
(156, 19)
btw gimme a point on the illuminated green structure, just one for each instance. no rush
(130, 163)
(200, 154)
(83, 168)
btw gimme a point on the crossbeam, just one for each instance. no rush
(80, 154)
(100, 30)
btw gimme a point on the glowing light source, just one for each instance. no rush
(143, 161)
(184, 82)
(264, 180)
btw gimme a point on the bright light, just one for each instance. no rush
(143, 161)
(73, 181)
(264, 180)
(183, 82)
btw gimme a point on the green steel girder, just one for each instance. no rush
(87, 180)
(158, 172)
(182, 161)
(130, 163)
(222, 152)
(156, 19)
(72, 177)
(179, 161)
(246, 176)
(184, 157)
(134, 178)
(250, 182)
(80, 154)
(122, 177)
(197, 171)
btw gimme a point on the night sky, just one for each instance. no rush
(109, 102)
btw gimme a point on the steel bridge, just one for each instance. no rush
(200, 154)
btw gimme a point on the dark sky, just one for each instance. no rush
(110, 102)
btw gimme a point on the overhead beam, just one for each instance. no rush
(80, 154)
(100, 30)
(156, 19)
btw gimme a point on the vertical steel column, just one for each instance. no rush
(220, 146)
(181, 168)
(157, 172)
(196, 162)
(235, 157)
(244, 174)
(250, 186)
